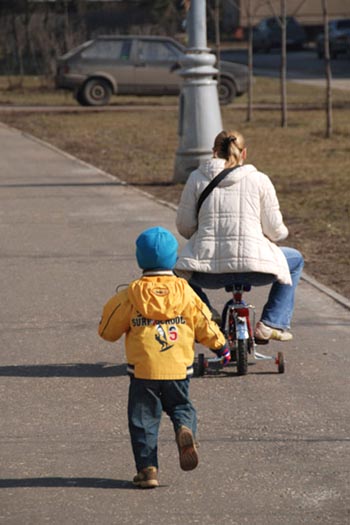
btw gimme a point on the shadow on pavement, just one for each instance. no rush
(89, 483)
(64, 370)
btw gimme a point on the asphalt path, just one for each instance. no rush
(274, 448)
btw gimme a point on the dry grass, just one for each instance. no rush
(311, 173)
(31, 91)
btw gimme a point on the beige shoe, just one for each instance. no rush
(264, 333)
(147, 478)
(188, 454)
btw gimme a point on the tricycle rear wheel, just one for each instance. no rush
(201, 365)
(280, 362)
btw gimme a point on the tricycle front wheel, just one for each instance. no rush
(242, 356)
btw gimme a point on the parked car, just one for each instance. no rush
(135, 65)
(268, 34)
(339, 33)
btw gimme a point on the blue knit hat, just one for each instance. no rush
(156, 248)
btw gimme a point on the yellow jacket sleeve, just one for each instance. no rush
(115, 320)
(207, 332)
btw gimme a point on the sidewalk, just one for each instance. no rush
(274, 448)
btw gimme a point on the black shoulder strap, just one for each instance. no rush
(214, 182)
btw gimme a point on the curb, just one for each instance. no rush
(343, 301)
(10, 109)
(326, 290)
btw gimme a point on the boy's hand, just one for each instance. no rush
(224, 353)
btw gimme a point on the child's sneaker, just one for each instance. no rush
(187, 448)
(147, 478)
(264, 333)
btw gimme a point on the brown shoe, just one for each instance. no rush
(187, 448)
(147, 478)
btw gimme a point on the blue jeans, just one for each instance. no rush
(147, 400)
(278, 310)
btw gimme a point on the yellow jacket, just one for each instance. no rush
(161, 317)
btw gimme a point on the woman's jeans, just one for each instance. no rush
(278, 310)
(147, 400)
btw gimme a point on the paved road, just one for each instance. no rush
(275, 449)
(302, 66)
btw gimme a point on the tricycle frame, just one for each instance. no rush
(237, 324)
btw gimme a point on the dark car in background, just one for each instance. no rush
(268, 34)
(135, 65)
(339, 37)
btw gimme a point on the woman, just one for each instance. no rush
(233, 236)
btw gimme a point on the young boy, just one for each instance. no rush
(161, 317)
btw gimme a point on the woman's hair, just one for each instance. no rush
(229, 145)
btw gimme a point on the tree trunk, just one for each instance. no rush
(328, 72)
(283, 64)
(250, 64)
(67, 31)
(217, 35)
(16, 21)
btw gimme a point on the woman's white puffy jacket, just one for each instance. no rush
(237, 226)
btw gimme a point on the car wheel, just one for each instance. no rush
(80, 98)
(96, 92)
(226, 90)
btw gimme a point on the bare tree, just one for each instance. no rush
(217, 35)
(13, 43)
(328, 71)
(252, 9)
(283, 64)
(282, 20)
(214, 13)
(250, 61)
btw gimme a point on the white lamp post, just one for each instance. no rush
(199, 109)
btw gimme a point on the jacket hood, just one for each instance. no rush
(212, 167)
(158, 297)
